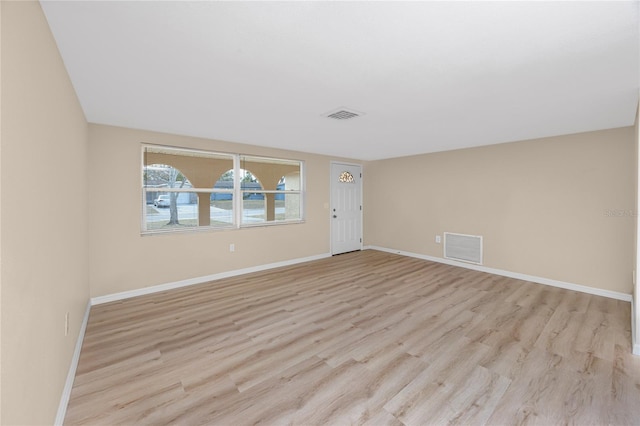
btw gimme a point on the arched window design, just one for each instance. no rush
(224, 186)
(280, 190)
(177, 187)
(252, 195)
(164, 176)
(221, 199)
(288, 197)
(185, 188)
(346, 177)
(248, 183)
(167, 204)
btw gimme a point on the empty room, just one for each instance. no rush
(319, 213)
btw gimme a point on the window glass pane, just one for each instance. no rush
(225, 180)
(179, 158)
(253, 208)
(196, 174)
(270, 174)
(289, 208)
(188, 189)
(248, 181)
(163, 176)
(221, 213)
(172, 210)
(256, 207)
(185, 213)
(165, 167)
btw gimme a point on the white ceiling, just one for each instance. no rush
(428, 76)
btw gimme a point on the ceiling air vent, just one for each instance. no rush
(343, 114)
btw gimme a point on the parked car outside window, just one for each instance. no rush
(162, 201)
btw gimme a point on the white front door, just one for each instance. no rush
(346, 208)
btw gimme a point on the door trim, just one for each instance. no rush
(331, 183)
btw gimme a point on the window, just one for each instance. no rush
(270, 190)
(346, 177)
(187, 189)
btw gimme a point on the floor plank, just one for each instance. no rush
(362, 338)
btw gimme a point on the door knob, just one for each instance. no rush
(334, 216)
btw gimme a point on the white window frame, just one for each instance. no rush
(237, 192)
(301, 192)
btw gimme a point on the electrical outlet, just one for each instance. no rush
(438, 239)
(232, 247)
(66, 324)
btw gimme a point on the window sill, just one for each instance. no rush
(202, 229)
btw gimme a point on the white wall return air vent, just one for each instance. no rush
(465, 248)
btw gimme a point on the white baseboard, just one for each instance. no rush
(199, 280)
(554, 283)
(71, 375)
(635, 345)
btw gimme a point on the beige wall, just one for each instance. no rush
(540, 205)
(636, 286)
(0, 219)
(44, 217)
(123, 260)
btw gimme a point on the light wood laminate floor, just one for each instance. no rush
(361, 338)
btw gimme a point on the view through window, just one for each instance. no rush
(189, 189)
